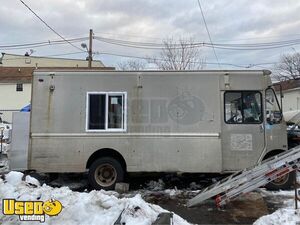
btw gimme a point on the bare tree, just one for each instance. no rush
(132, 65)
(181, 55)
(288, 67)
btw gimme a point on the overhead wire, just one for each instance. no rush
(233, 46)
(44, 22)
(40, 44)
(252, 49)
(63, 54)
(207, 30)
(251, 65)
(160, 59)
(43, 42)
(160, 46)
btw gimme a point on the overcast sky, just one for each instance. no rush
(229, 22)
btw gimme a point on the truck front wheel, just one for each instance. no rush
(282, 183)
(104, 173)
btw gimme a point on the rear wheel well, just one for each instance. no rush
(106, 152)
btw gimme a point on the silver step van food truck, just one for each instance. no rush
(110, 123)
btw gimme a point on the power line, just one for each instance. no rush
(43, 42)
(234, 46)
(208, 32)
(49, 25)
(139, 36)
(209, 63)
(160, 46)
(253, 49)
(251, 65)
(133, 44)
(40, 44)
(63, 54)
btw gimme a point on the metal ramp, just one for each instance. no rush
(249, 179)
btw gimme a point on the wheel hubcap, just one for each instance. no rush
(281, 180)
(105, 175)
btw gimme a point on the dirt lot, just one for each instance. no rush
(245, 210)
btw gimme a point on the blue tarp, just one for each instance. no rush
(26, 108)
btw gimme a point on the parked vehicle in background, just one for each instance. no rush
(293, 129)
(110, 123)
(26, 108)
(5, 129)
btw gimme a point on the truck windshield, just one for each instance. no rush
(273, 111)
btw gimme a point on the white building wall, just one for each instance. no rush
(291, 100)
(10, 60)
(12, 100)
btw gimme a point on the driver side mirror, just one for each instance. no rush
(274, 117)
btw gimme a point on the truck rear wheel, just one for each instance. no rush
(282, 183)
(104, 173)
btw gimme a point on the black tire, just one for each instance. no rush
(104, 173)
(284, 183)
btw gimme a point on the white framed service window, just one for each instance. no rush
(106, 111)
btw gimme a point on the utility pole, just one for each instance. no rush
(90, 49)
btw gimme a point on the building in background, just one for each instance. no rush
(291, 93)
(12, 60)
(15, 90)
(16, 75)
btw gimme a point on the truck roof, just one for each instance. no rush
(147, 72)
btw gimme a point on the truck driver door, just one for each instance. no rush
(242, 129)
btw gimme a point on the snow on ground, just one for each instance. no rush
(104, 207)
(287, 215)
(284, 216)
(95, 207)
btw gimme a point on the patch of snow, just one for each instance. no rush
(156, 185)
(96, 207)
(32, 180)
(284, 216)
(265, 192)
(287, 215)
(14, 178)
(172, 192)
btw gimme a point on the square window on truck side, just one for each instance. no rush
(97, 112)
(106, 111)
